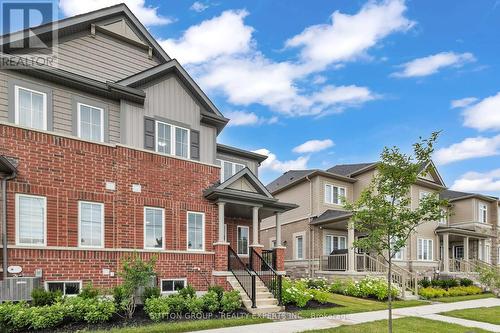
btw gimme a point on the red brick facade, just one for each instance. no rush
(67, 170)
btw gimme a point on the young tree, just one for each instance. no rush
(384, 211)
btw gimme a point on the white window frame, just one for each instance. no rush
(296, 248)
(78, 116)
(80, 224)
(272, 242)
(331, 198)
(482, 207)
(332, 236)
(18, 242)
(238, 243)
(162, 228)
(172, 139)
(202, 231)
(173, 280)
(233, 168)
(420, 256)
(16, 104)
(46, 285)
(444, 219)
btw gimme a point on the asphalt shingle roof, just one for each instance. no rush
(287, 178)
(348, 169)
(330, 214)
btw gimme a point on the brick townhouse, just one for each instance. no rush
(113, 151)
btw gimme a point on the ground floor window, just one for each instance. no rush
(425, 249)
(299, 247)
(172, 285)
(68, 288)
(243, 234)
(334, 243)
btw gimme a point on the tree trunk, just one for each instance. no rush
(389, 298)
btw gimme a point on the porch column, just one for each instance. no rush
(466, 248)
(278, 229)
(255, 225)
(222, 236)
(351, 257)
(446, 254)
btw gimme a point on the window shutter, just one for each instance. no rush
(195, 145)
(149, 134)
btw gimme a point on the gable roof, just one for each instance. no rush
(349, 169)
(457, 195)
(293, 177)
(254, 181)
(81, 22)
(213, 116)
(241, 152)
(331, 215)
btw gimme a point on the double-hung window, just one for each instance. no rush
(91, 224)
(30, 108)
(196, 231)
(243, 234)
(90, 122)
(299, 247)
(153, 228)
(400, 254)
(172, 140)
(229, 169)
(483, 213)
(31, 220)
(334, 194)
(425, 249)
(334, 243)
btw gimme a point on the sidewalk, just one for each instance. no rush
(425, 311)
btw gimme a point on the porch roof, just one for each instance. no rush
(331, 215)
(463, 232)
(7, 165)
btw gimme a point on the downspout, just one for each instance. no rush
(4, 223)
(311, 236)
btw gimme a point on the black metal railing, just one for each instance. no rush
(269, 257)
(267, 274)
(245, 277)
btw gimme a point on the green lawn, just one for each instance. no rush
(353, 304)
(487, 315)
(187, 326)
(403, 325)
(462, 298)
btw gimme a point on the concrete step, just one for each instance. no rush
(266, 309)
(265, 302)
(260, 302)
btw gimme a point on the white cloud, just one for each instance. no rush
(199, 6)
(463, 102)
(313, 146)
(467, 149)
(349, 36)
(272, 163)
(319, 79)
(146, 14)
(484, 115)
(223, 35)
(478, 182)
(432, 64)
(242, 118)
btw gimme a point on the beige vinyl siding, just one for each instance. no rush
(168, 100)
(462, 211)
(250, 164)
(362, 181)
(62, 101)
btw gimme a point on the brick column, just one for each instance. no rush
(258, 249)
(220, 250)
(279, 252)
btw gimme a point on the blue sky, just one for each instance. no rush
(353, 75)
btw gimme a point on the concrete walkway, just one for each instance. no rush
(424, 311)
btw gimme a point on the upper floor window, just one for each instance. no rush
(334, 194)
(444, 218)
(90, 122)
(91, 224)
(153, 228)
(30, 108)
(483, 213)
(172, 140)
(334, 243)
(31, 220)
(229, 169)
(196, 231)
(422, 195)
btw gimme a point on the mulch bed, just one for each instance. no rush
(140, 319)
(311, 305)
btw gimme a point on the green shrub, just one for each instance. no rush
(150, 292)
(424, 283)
(464, 282)
(431, 292)
(231, 301)
(99, 311)
(317, 283)
(42, 317)
(445, 283)
(187, 292)
(320, 295)
(338, 287)
(8, 311)
(119, 296)
(218, 289)
(194, 305)
(295, 292)
(176, 303)
(370, 287)
(89, 291)
(211, 301)
(42, 297)
(157, 308)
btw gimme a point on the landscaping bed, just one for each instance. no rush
(311, 305)
(439, 288)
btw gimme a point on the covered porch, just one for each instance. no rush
(463, 250)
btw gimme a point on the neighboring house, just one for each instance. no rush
(114, 153)
(319, 241)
